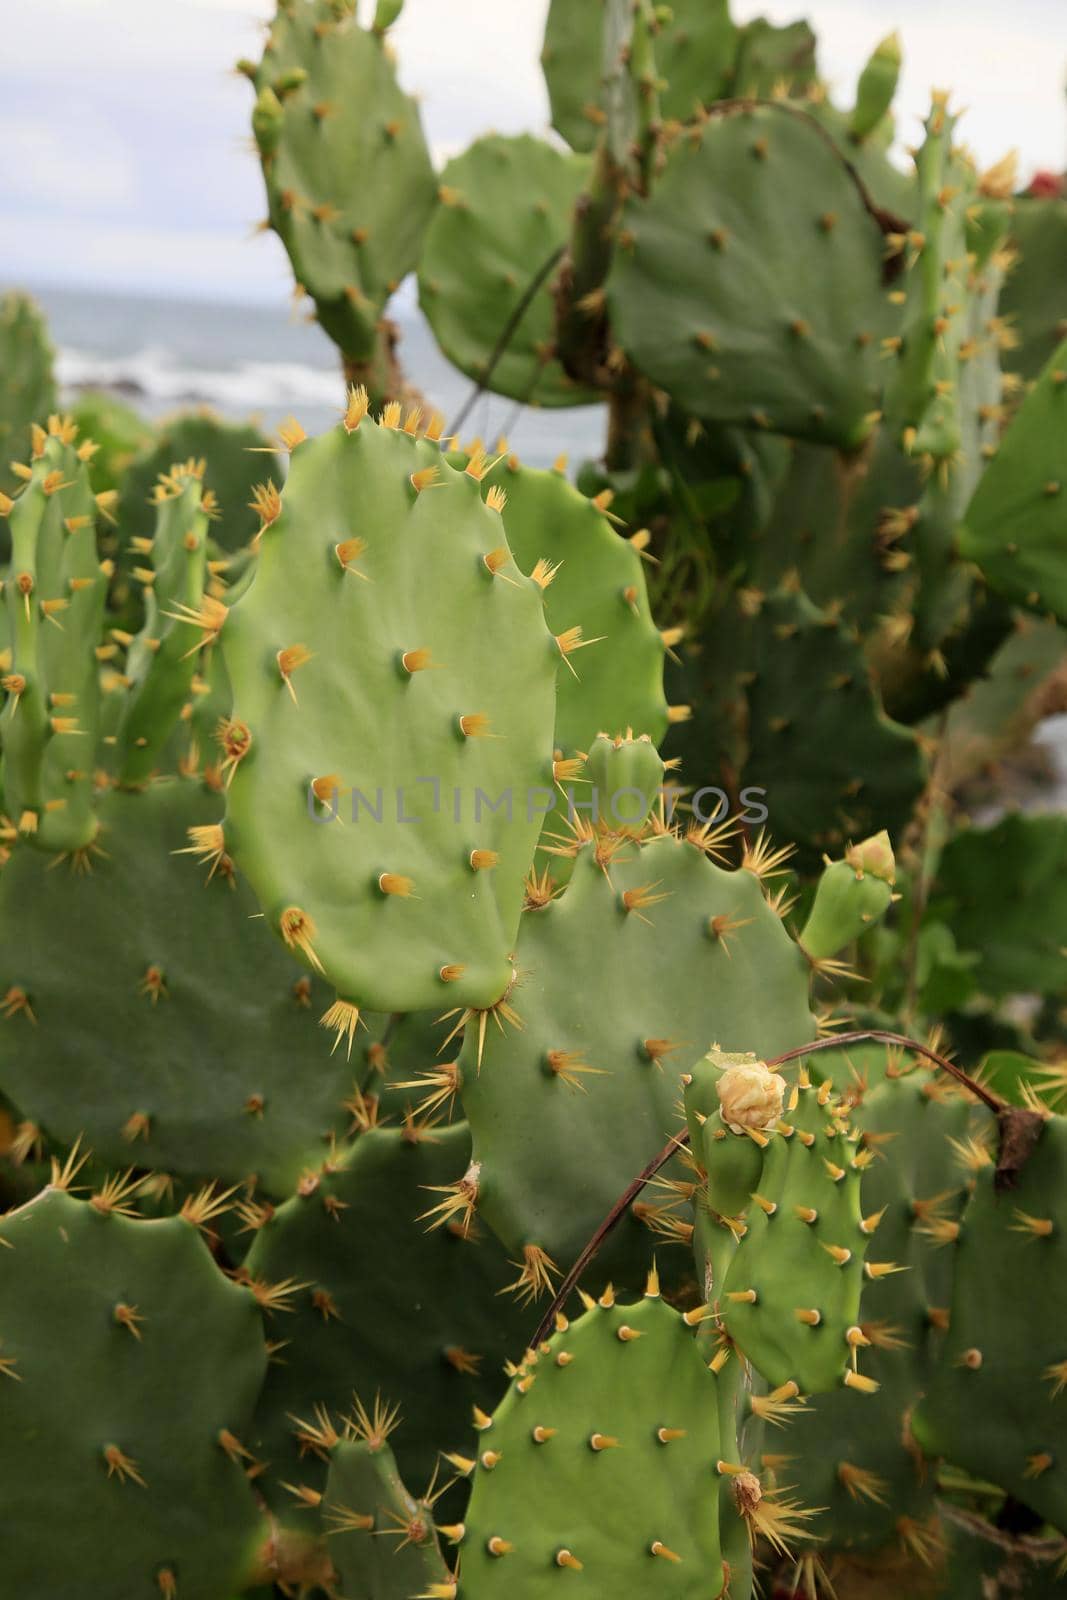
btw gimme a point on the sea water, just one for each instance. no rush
(268, 362)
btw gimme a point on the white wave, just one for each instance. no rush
(152, 372)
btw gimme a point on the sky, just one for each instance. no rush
(126, 156)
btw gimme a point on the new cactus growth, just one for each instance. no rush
(850, 898)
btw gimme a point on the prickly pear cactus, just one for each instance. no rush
(54, 598)
(431, 1340)
(597, 605)
(350, 185)
(504, 212)
(850, 898)
(1001, 890)
(160, 667)
(130, 1368)
(147, 1008)
(711, 309)
(120, 431)
(855, 1451)
(1013, 527)
(619, 1412)
(1034, 301)
(701, 56)
(790, 1299)
(651, 953)
(997, 1397)
(394, 681)
(776, 675)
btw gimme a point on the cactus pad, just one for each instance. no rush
(998, 1397)
(389, 664)
(854, 1452)
(650, 954)
(432, 1340)
(596, 583)
(712, 309)
(158, 1019)
(349, 179)
(54, 598)
(695, 48)
(792, 1291)
(130, 1369)
(600, 1465)
(1003, 891)
(1014, 526)
(505, 209)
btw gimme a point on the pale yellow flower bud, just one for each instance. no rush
(750, 1094)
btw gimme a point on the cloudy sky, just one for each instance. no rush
(126, 159)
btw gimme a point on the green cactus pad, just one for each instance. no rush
(801, 1256)
(349, 180)
(505, 209)
(1003, 891)
(27, 389)
(998, 1398)
(396, 655)
(160, 664)
(159, 1019)
(854, 1452)
(627, 777)
(382, 1540)
(130, 1369)
(54, 598)
(431, 1339)
(597, 584)
(620, 992)
(844, 523)
(605, 1450)
(1014, 526)
(710, 307)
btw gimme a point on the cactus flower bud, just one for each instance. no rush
(750, 1094)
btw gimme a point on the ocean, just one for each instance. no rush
(268, 362)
